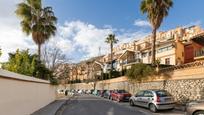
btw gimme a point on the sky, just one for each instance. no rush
(83, 25)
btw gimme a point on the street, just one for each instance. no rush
(91, 105)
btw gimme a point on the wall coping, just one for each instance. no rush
(11, 75)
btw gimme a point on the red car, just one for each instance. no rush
(120, 95)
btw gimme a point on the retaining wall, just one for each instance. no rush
(184, 84)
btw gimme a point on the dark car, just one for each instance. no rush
(107, 94)
(92, 90)
(102, 93)
(120, 95)
(99, 92)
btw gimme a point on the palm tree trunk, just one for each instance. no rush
(39, 52)
(111, 60)
(153, 46)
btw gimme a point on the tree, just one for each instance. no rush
(156, 11)
(53, 56)
(111, 40)
(21, 62)
(38, 21)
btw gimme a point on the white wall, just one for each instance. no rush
(167, 54)
(23, 95)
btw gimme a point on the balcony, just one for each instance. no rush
(132, 61)
(199, 54)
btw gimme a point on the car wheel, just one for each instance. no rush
(199, 113)
(131, 103)
(111, 98)
(153, 108)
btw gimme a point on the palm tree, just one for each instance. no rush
(156, 11)
(38, 21)
(111, 40)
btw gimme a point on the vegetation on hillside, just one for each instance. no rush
(140, 71)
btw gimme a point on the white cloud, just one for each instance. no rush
(77, 39)
(198, 22)
(85, 39)
(12, 37)
(141, 23)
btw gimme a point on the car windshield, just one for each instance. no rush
(162, 93)
(122, 91)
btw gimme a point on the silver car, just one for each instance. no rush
(195, 108)
(153, 99)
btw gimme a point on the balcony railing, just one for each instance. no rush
(183, 66)
(132, 61)
(199, 53)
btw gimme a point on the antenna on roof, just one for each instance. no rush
(99, 50)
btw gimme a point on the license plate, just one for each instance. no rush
(168, 99)
(127, 97)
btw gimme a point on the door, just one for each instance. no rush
(147, 98)
(138, 98)
(188, 53)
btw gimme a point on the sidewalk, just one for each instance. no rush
(51, 108)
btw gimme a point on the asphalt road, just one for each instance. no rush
(91, 105)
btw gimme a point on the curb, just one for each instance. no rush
(180, 108)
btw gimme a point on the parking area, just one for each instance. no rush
(89, 104)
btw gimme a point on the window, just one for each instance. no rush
(167, 61)
(164, 49)
(162, 93)
(140, 94)
(144, 54)
(148, 94)
(121, 91)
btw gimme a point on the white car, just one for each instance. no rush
(153, 99)
(80, 91)
(61, 91)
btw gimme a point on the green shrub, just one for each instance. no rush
(115, 74)
(140, 71)
(53, 81)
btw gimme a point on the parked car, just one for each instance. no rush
(80, 91)
(95, 92)
(107, 94)
(61, 91)
(102, 93)
(120, 95)
(153, 99)
(92, 90)
(99, 93)
(87, 91)
(195, 108)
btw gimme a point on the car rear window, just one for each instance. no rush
(122, 91)
(162, 93)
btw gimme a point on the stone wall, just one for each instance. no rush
(182, 90)
(184, 84)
